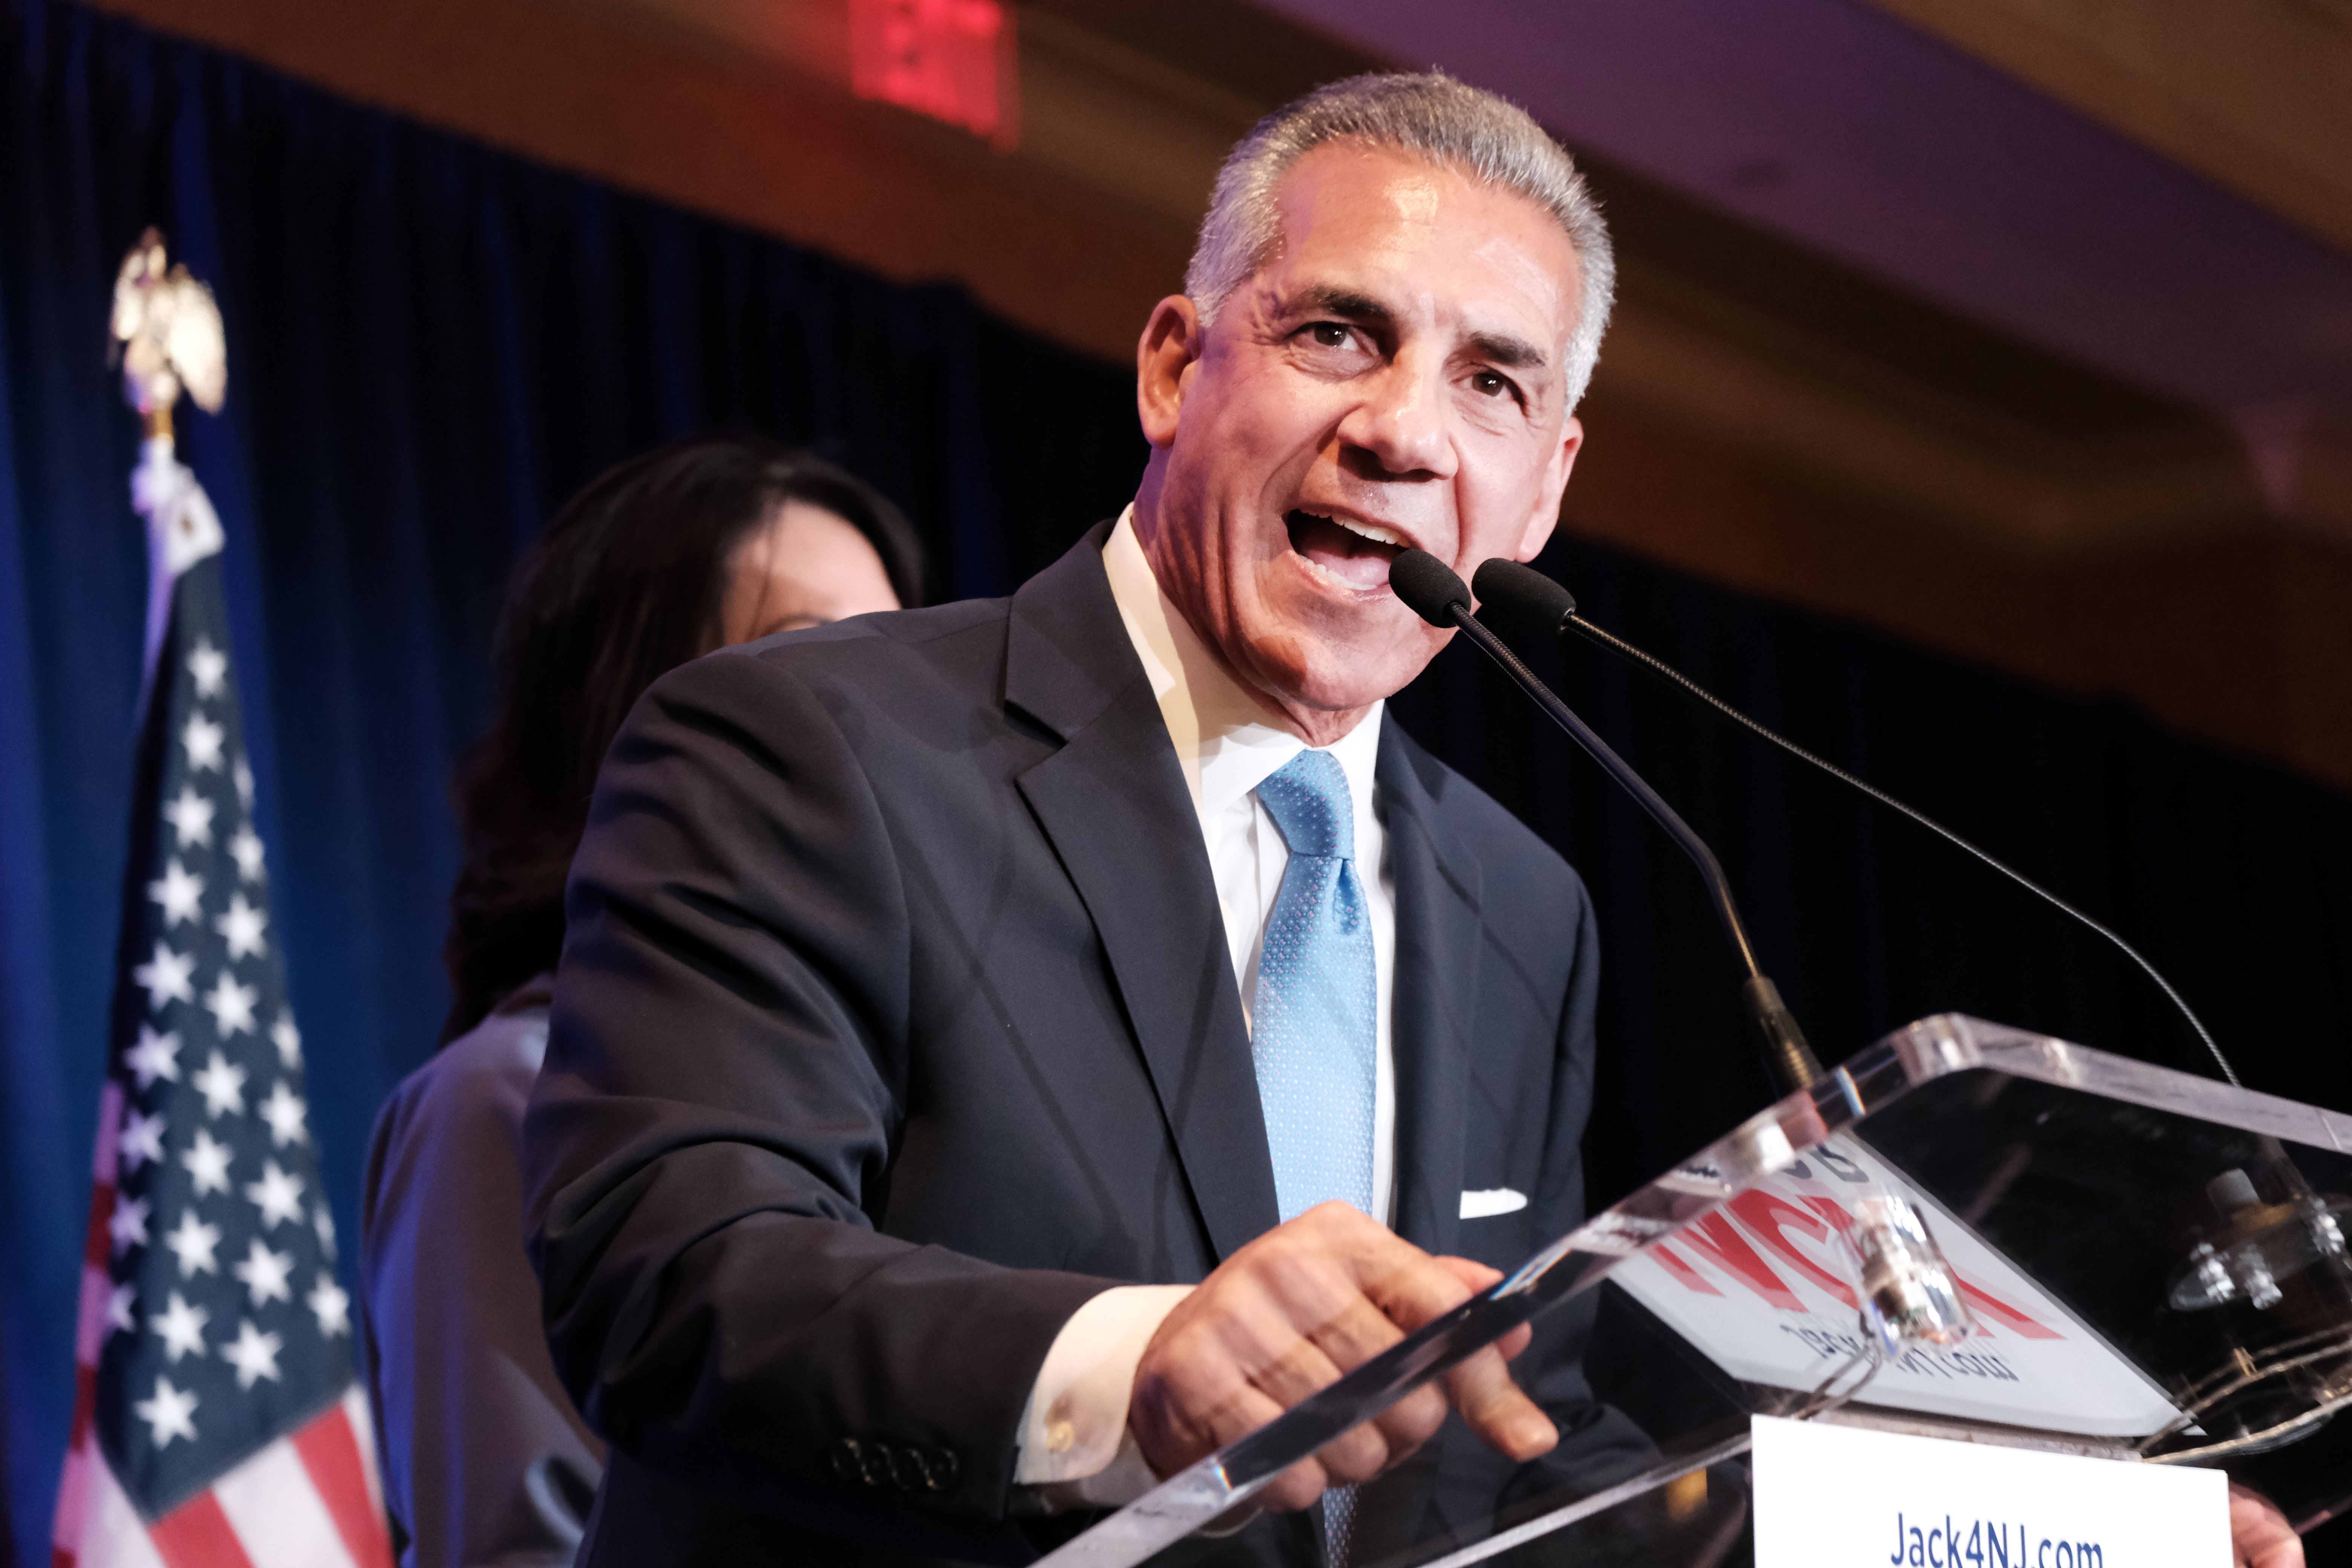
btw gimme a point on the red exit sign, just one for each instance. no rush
(950, 59)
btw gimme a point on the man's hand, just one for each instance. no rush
(1290, 1312)
(2260, 1536)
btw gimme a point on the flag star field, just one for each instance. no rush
(223, 1326)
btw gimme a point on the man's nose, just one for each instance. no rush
(1401, 424)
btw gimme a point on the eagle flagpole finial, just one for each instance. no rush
(168, 333)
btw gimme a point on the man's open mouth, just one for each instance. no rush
(1357, 555)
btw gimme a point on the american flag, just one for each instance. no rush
(218, 1423)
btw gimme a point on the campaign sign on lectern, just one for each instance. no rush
(2142, 1276)
(1761, 1288)
(1844, 1497)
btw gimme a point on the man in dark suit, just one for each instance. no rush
(1003, 1052)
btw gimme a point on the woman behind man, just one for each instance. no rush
(662, 558)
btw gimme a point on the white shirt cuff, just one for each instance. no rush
(1075, 1427)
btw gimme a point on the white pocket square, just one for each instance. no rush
(1490, 1201)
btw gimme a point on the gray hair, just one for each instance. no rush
(1437, 118)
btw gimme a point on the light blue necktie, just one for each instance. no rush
(1315, 1033)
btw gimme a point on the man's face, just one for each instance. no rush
(1394, 377)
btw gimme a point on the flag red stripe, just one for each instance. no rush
(331, 1452)
(197, 1534)
(85, 1406)
(98, 1246)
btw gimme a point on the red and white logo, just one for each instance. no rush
(1763, 1289)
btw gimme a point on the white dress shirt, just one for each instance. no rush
(1074, 1436)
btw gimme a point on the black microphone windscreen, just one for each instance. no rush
(1524, 596)
(1428, 586)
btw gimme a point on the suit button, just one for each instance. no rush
(846, 1459)
(940, 1470)
(907, 1470)
(874, 1464)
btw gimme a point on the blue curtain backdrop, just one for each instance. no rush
(432, 343)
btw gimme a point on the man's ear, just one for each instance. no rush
(1546, 516)
(1165, 358)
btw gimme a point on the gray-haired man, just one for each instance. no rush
(1003, 1052)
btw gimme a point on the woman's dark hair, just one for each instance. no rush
(625, 583)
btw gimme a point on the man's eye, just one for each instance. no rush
(1490, 384)
(1329, 334)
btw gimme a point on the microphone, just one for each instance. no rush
(1431, 590)
(2246, 1259)
(1524, 596)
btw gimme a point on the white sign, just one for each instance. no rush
(1839, 1496)
(1760, 1287)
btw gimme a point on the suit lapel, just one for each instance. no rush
(1437, 893)
(1113, 802)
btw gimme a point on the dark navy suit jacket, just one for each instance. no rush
(896, 1019)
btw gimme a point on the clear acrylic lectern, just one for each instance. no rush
(2150, 1267)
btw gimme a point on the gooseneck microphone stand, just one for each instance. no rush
(1523, 595)
(1430, 588)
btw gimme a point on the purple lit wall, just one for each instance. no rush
(1847, 130)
